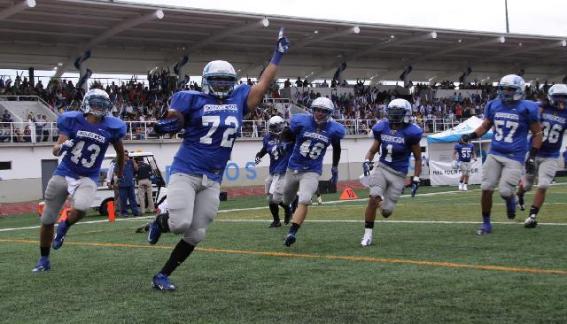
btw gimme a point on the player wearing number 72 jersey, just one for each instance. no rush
(512, 118)
(211, 120)
(84, 137)
(312, 134)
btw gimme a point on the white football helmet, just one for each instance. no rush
(399, 112)
(276, 125)
(325, 104)
(557, 95)
(96, 102)
(219, 79)
(511, 88)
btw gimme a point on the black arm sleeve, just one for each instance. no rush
(262, 152)
(336, 152)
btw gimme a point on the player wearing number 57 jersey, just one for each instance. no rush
(211, 120)
(396, 138)
(554, 124)
(512, 119)
(84, 137)
(312, 134)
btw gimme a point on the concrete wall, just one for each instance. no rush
(23, 181)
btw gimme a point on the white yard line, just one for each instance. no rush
(133, 219)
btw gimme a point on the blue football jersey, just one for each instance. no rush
(395, 145)
(464, 152)
(91, 142)
(279, 158)
(511, 127)
(311, 142)
(211, 126)
(553, 124)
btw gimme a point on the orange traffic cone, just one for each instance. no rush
(348, 194)
(110, 210)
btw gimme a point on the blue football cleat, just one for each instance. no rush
(154, 232)
(62, 229)
(42, 265)
(289, 239)
(484, 229)
(511, 207)
(161, 282)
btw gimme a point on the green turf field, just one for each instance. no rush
(426, 266)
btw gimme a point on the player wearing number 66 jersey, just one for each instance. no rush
(554, 124)
(312, 134)
(211, 120)
(512, 118)
(396, 138)
(84, 137)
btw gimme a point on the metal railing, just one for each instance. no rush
(41, 132)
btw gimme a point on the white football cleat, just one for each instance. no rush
(460, 186)
(319, 200)
(465, 188)
(366, 240)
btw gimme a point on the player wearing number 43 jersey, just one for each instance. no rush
(512, 119)
(554, 124)
(396, 138)
(84, 137)
(312, 134)
(211, 120)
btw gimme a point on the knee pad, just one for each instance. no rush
(386, 213)
(195, 236)
(506, 193)
(304, 199)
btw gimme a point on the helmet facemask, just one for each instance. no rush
(276, 128)
(398, 116)
(220, 86)
(318, 111)
(509, 93)
(96, 105)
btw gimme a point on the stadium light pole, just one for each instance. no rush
(507, 21)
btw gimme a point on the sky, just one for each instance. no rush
(543, 17)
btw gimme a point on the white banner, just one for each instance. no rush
(442, 173)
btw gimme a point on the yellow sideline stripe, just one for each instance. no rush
(325, 257)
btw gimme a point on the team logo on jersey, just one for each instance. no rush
(318, 136)
(86, 134)
(209, 108)
(392, 139)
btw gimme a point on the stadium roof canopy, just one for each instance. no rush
(133, 39)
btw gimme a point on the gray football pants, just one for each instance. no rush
(501, 171)
(193, 203)
(546, 169)
(302, 184)
(57, 192)
(387, 185)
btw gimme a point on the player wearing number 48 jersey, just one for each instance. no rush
(211, 120)
(312, 134)
(396, 138)
(84, 137)
(554, 124)
(512, 119)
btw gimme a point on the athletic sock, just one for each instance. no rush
(179, 254)
(486, 218)
(368, 224)
(162, 221)
(294, 228)
(44, 251)
(274, 209)
(534, 210)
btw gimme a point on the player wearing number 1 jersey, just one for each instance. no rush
(396, 138)
(211, 120)
(512, 119)
(554, 124)
(312, 134)
(84, 137)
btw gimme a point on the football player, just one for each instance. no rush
(211, 120)
(554, 124)
(279, 156)
(462, 155)
(396, 138)
(84, 137)
(312, 134)
(512, 118)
